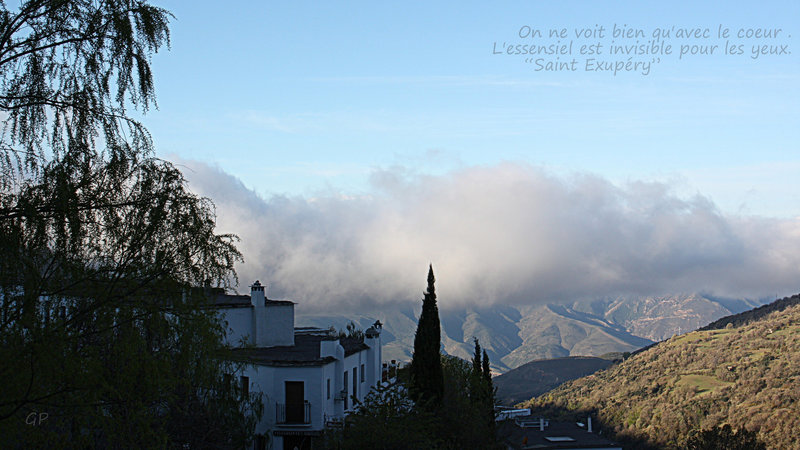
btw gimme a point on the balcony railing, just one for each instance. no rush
(293, 413)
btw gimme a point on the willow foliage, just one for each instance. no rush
(103, 342)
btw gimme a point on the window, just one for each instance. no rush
(355, 382)
(295, 406)
(363, 371)
(345, 390)
(245, 385)
(328, 389)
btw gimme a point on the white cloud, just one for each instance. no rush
(504, 233)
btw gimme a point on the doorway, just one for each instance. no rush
(295, 402)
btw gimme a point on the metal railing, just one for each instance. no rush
(293, 413)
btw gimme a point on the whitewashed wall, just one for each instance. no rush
(239, 325)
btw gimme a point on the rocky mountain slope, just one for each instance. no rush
(659, 318)
(515, 335)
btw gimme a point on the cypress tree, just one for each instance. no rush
(476, 358)
(427, 381)
(487, 372)
(481, 393)
(489, 387)
(477, 390)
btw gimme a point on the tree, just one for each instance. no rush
(100, 331)
(724, 438)
(477, 365)
(387, 419)
(482, 392)
(487, 371)
(427, 384)
(489, 400)
(462, 421)
(67, 70)
(477, 388)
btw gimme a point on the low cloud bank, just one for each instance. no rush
(508, 233)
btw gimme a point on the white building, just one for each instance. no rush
(307, 378)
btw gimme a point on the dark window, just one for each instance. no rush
(328, 390)
(346, 394)
(355, 382)
(363, 371)
(295, 402)
(245, 385)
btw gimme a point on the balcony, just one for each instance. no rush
(298, 414)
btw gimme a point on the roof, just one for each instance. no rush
(352, 345)
(222, 300)
(304, 352)
(556, 435)
(229, 301)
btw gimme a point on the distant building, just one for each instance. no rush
(306, 377)
(525, 432)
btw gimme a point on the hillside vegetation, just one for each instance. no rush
(748, 377)
(754, 314)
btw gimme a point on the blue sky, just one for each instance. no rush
(350, 144)
(301, 97)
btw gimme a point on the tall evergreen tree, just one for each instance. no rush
(489, 398)
(476, 358)
(427, 381)
(477, 390)
(487, 372)
(481, 391)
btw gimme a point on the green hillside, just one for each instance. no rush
(748, 377)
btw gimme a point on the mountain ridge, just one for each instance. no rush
(515, 335)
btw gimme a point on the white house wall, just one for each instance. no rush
(239, 325)
(374, 361)
(332, 407)
(334, 371)
(278, 326)
(351, 362)
(270, 383)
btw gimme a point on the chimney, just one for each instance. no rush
(589, 424)
(273, 321)
(258, 301)
(541, 423)
(257, 297)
